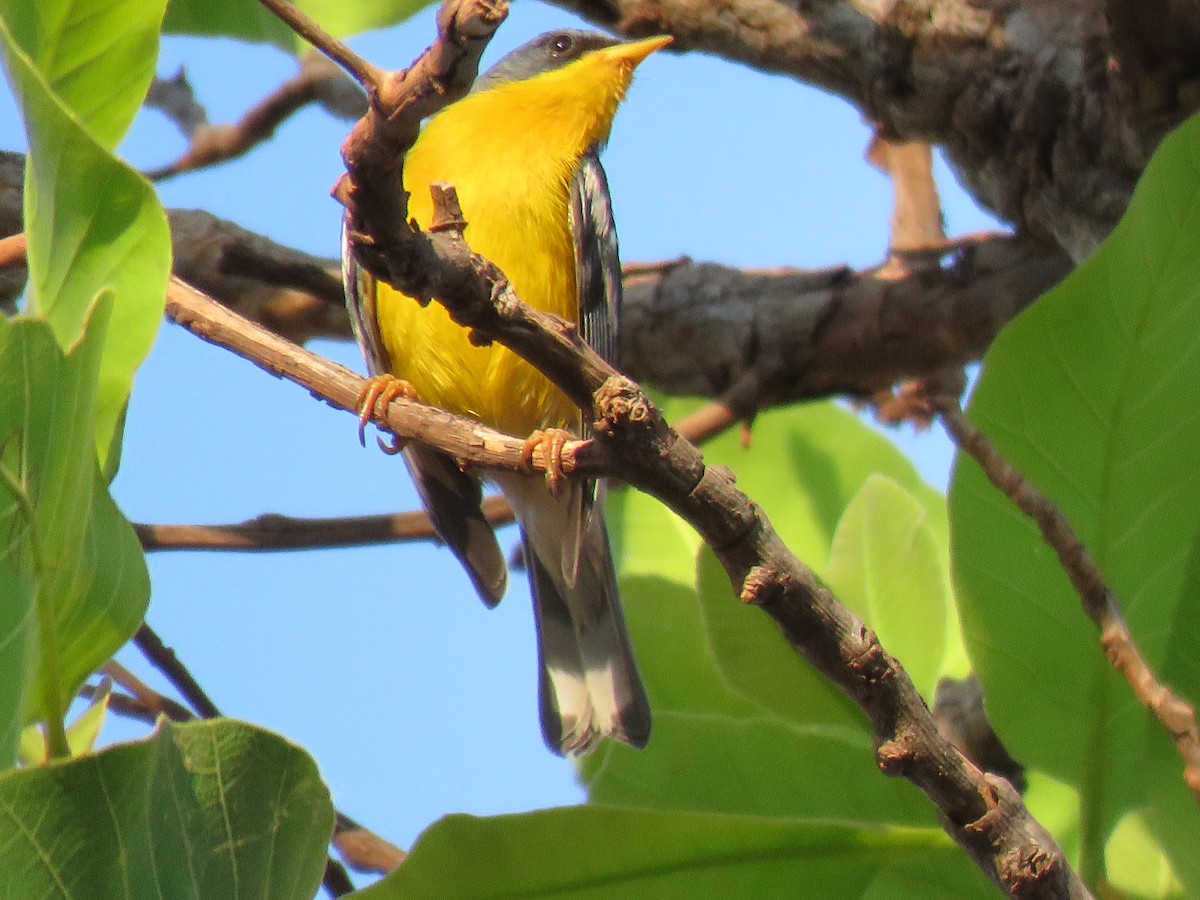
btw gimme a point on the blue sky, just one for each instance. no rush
(413, 698)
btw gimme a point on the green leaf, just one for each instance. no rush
(81, 734)
(93, 224)
(253, 22)
(18, 617)
(96, 56)
(77, 554)
(885, 565)
(1136, 867)
(607, 852)
(727, 692)
(203, 810)
(1092, 395)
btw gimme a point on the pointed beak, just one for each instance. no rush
(634, 52)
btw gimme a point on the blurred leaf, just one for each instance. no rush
(214, 809)
(76, 550)
(81, 734)
(93, 223)
(1136, 867)
(96, 56)
(885, 565)
(18, 623)
(253, 22)
(1092, 395)
(607, 852)
(727, 691)
(32, 750)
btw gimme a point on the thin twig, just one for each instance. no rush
(463, 438)
(273, 532)
(134, 708)
(364, 850)
(212, 144)
(336, 879)
(164, 659)
(1100, 603)
(145, 697)
(365, 73)
(12, 251)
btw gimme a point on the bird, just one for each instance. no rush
(522, 151)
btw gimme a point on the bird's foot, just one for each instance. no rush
(373, 400)
(552, 441)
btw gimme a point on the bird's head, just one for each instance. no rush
(557, 49)
(577, 76)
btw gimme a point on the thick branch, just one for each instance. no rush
(701, 328)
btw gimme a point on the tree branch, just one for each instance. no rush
(317, 81)
(274, 532)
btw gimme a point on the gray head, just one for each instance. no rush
(551, 50)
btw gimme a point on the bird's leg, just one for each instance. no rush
(373, 399)
(552, 441)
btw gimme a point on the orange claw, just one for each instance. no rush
(552, 440)
(373, 400)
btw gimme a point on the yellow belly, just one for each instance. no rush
(517, 216)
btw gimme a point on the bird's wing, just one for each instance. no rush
(359, 286)
(451, 496)
(452, 499)
(598, 286)
(597, 262)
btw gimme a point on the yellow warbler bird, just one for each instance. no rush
(521, 150)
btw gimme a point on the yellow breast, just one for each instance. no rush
(516, 208)
(510, 152)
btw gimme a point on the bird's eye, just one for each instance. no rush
(561, 44)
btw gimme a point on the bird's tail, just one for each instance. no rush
(588, 681)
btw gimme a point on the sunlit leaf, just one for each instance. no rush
(203, 810)
(79, 555)
(886, 566)
(93, 225)
(253, 22)
(607, 852)
(96, 56)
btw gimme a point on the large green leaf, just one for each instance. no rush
(74, 551)
(726, 690)
(96, 56)
(886, 566)
(253, 22)
(206, 810)
(1093, 395)
(93, 223)
(604, 852)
